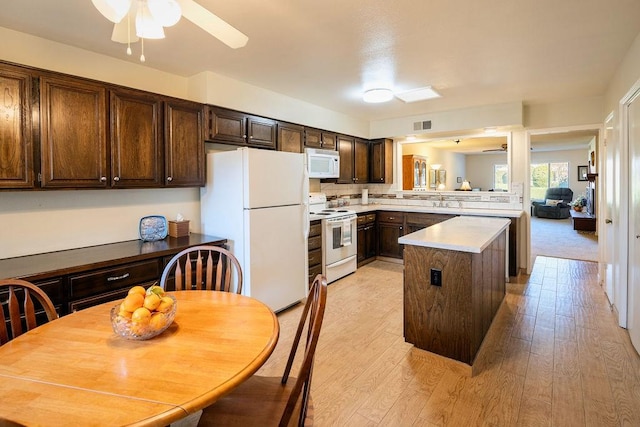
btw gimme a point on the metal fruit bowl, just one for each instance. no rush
(130, 330)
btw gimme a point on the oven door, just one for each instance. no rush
(340, 239)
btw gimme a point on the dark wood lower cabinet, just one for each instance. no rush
(390, 229)
(367, 238)
(315, 249)
(79, 278)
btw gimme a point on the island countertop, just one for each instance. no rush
(462, 233)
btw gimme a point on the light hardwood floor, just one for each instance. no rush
(553, 357)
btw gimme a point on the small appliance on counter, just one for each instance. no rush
(339, 237)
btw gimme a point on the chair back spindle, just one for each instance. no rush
(14, 315)
(204, 268)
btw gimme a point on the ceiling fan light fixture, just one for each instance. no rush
(146, 26)
(375, 96)
(165, 12)
(113, 10)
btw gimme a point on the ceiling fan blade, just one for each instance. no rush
(213, 25)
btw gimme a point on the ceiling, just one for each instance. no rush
(327, 52)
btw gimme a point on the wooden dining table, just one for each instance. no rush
(76, 371)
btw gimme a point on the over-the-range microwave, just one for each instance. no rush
(323, 163)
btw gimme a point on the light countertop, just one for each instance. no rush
(462, 233)
(504, 213)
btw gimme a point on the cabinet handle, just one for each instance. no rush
(169, 179)
(607, 221)
(251, 137)
(391, 218)
(115, 278)
(400, 228)
(103, 179)
(244, 136)
(116, 178)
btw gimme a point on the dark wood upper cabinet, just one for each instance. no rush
(184, 143)
(316, 138)
(345, 149)
(16, 131)
(261, 132)
(234, 127)
(360, 161)
(136, 139)
(290, 137)
(73, 133)
(381, 157)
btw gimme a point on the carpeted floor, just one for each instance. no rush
(557, 238)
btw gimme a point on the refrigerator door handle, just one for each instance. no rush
(305, 202)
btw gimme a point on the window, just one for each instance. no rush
(548, 175)
(500, 177)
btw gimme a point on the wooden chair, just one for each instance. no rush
(13, 289)
(204, 268)
(271, 401)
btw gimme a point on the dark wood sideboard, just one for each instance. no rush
(78, 278)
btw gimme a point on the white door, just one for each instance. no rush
(274, 255)
(607, 232)
(633, 301)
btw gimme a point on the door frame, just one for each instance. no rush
(563, 129)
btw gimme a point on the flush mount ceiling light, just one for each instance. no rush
(377, 95)
(150, 16)
(416, 95)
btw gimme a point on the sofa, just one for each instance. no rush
(556, 204)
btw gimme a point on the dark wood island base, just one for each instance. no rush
(452, 319)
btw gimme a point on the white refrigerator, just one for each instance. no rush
(258, 200)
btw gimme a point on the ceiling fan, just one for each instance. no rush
(503, 147)
(150, 16)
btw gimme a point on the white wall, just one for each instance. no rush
(479, 170)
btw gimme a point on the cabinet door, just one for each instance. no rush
(227, 126)
(345, 148)
(381, 161)
(16, 149)
(184, 143)
(290, 137)
(73, 133)
(361, 161)
(388, 235)
(329, 140)
(136, 139)
(262, 132)
(312, 138)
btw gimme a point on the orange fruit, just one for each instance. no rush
(132, 302)
(157, 321)
(155, 289)
(137, 290)
(141, 315)
(151, 302)
(124, 313)
(165, 304)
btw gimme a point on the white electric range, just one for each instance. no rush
(339, 239)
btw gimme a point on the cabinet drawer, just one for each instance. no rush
(101, 281)
(315, 229)
(394, 217)
(366, 219)
(315, 257)
(315, 242)
(81, 304)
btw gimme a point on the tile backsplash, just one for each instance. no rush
(386, 194)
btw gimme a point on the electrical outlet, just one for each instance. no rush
(436, 277)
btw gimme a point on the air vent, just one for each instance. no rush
(425, 125)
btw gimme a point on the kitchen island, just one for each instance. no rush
(454, 282)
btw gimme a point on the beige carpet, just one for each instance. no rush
(557, 238)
